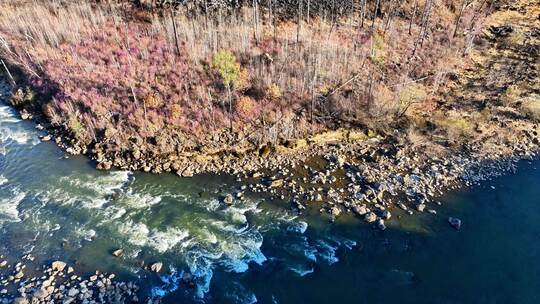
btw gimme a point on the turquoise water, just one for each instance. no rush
(257, 251)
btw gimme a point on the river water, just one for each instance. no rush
(257, 251)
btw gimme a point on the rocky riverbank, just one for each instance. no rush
(371, 175)
(24, 282)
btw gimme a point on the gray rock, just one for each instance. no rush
(73, 292)
(118, 252)
(386, 215)
(19, 275)
(335, 211)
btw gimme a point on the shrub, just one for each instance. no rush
(531, 106)
(457, 128)
(76, 127)
(378, 55)
(153, 101)
(411, 94)
(245, 106)
(511, 94)
(273, 92)
(224, 62)
(176, 111)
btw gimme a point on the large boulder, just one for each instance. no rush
(156, 267)
(228, 199)
(360, 209)
(118, 252)
(58, 266)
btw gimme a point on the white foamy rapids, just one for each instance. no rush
(11, 128)
(170, 283)
(239, 253)
(138, 200)
(103, 184)
(92, 191)
(82, 232)
(302, 270)
(3, 180)
(138, 234)
(208, 244)
(9, 205)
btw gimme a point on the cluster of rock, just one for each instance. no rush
(377, 179)
(58, 283)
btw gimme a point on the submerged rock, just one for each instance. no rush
(380, 224)
(455, 222)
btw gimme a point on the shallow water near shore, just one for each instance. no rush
(257, 250)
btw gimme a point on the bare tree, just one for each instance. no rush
(299, 27)
(413, 15)
(362, 13)
(458, 19)
(375, 16)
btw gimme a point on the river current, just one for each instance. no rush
(59, 208)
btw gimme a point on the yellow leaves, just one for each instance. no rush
(273, 92)
(244, 105)
(224, 62)
(176, 111)
(412, 93)
(153, 101)
(232, 74)
(243, 82)
(68, 59)
(378, 50)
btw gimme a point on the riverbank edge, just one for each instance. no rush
(342, 149)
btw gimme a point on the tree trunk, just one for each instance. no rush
(363, 13)
(298, 29)
(459, 17)
(413, 15)
(175, 33)
(374, 17)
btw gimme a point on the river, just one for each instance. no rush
(59, 208)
